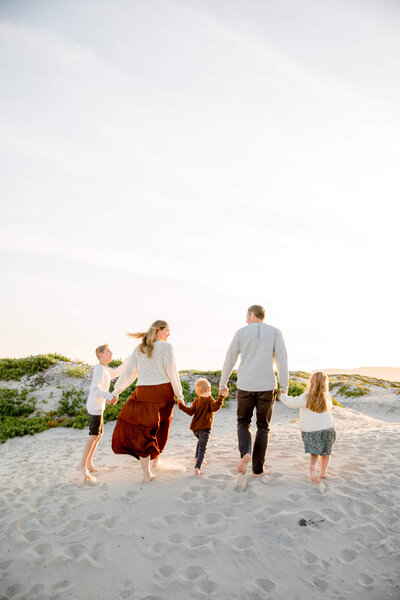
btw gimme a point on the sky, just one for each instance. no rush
(182, 160)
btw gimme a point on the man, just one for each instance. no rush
(258, 345)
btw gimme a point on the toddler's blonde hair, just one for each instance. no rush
(100, 350)
(202, 386)
(318, 392)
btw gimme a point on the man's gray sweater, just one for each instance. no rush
(259, 345)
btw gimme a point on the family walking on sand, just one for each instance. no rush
(144, 422)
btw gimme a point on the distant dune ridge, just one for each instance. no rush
(388, 373)
(182, 536)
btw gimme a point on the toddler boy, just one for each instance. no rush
(203, 408)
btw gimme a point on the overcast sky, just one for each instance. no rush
(183, 160)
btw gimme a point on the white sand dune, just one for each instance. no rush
(187, 537)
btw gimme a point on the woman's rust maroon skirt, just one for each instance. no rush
(143, 424)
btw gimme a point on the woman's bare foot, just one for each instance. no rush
(314, 475)
(92, 469)
(197, 471)
(156, 462)
(147, 474)
(242, 468)
(262, 474)
(85, 473)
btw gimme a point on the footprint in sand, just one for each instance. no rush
(365, 579)
(188, 496)
(111, 522)
(95, 517)
(60, 586)
(333, 515)
(42, 550)
(72, 527)
(127, 589)
(219, 477)
(75, 550)
(163, 573)
(319, 583)
(36, 591)
(310, 558)
(212, 519)
(265, 584)
(32, 535)
(12, 590)
(198, 540)
(193, 572)
(207, 587)
(176, 538)
(244, 542)
(348, 555)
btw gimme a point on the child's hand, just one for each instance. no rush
(108, 401)
(114, 400)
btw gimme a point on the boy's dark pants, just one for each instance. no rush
(263, 402)
(202, 435)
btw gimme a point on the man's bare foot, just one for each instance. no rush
(262, 474)
(314, 475)
(242, 468)
(197, 471)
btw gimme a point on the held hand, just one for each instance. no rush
(224, 392)
(115, 400)
(108, 401)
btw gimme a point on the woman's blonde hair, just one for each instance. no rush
(318, 392)
(149, 336)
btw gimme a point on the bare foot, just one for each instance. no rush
(325, 475)
(197, 471)
(92, 469)
(156, 462)
(262, 474)
(242, 468)
(85, 473)
(314, 475)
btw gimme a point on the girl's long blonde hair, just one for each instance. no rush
(318, 392)
(149, 337)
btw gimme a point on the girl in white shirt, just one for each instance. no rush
(315, 421)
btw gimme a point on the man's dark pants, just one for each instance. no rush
(263, 402)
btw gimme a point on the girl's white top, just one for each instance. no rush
(309, 420)
(159, 368)
(99, 387)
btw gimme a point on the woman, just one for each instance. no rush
(143, 424)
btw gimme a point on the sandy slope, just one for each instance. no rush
(185, 537)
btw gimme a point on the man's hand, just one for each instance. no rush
(224, 392)
(115, 400)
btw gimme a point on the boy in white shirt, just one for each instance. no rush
(95, 405)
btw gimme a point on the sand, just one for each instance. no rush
(182, 536)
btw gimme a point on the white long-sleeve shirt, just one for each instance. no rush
(258, 345)
(159, 368)
(99, 387)
(309, 420)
